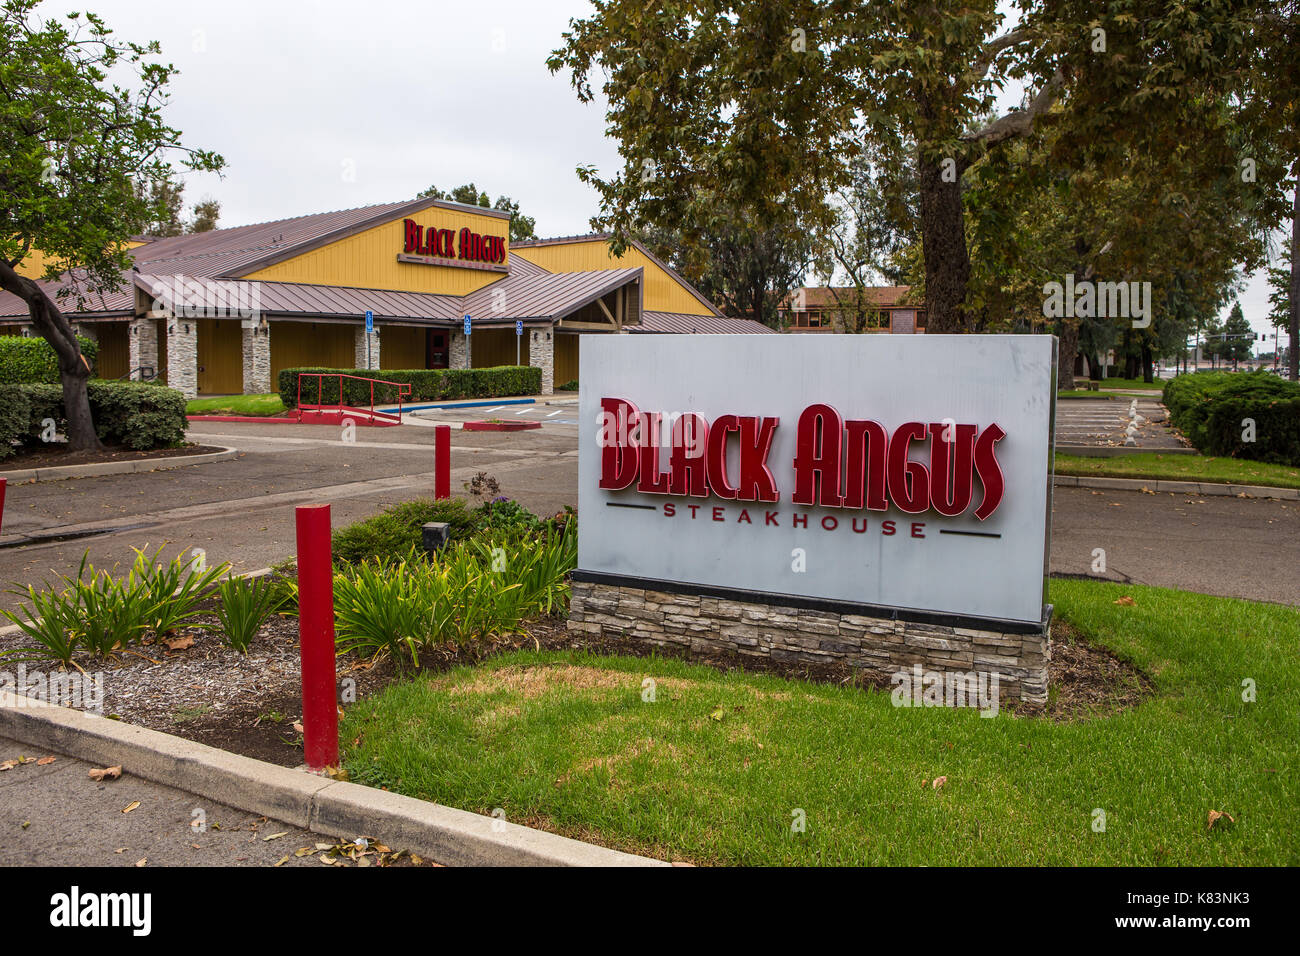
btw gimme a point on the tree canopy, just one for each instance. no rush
(82, 158)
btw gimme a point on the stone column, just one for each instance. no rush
(458, 353)
(142, 345)
(359, 339)
(183, 356)
(257, 357)
(541, 354)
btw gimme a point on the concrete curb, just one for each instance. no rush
(331, 807)
(1204, 488)
(60, 472)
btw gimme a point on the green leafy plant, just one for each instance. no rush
(245, 606)
(172, 590)
(50, 621)
(398, 529)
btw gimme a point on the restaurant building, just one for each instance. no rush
(222, 312)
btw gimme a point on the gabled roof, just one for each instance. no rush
(704, 324)
(240, 250)
(634, 243)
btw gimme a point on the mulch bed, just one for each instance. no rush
(53, 456)
(214, 695)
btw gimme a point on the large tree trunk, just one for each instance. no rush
(943, 244)
(1066, 351)
(1293, 330)
(1148, 364)
(74, 372)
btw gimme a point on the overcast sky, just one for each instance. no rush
(334, 104)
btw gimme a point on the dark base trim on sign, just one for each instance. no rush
(820, 604)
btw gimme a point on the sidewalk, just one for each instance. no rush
(55, 815)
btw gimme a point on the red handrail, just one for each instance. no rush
(403, 391)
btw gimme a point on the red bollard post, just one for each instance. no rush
(442, 461)
(320, 716)
(3, 483)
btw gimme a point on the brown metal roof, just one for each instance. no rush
(528, 294)
(636, 244)
(677, 322)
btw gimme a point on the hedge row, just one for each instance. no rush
(136, 414)
(31, 361)
(1214, 411)
(427, 385)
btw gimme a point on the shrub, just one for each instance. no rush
(403, 607)
(1209, 408)
(32, 361)
(139, 415)
(136, 414)
(399, 528)
(427, 385)
(569, 386)
(173, 590)
(245, 607)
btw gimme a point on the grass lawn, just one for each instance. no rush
(713, 770)
(1084, 393)
(260, 405)
(1134, 383)
(1181, 468)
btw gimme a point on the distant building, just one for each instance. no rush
(849, 309)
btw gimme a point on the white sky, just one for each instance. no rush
(331, 104)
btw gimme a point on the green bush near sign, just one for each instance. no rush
(31, 361)
(1252, 415)
(427, 385)
(138, 415)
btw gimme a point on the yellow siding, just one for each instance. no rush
(402, 347)
(566, 358)
(663, 293)
(368, 260)
(221, 357)
(490, 348)
(113, 354)
(33, 267)
(317, 344)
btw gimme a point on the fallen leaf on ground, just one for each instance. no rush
(142, 861)
(45, 761)
(718, 713)
(130, 806)
(1216, 816)
(274, 836)
(283, 860)
(1125, 600)
(179, 643)
(938, 782)
(297, 726)
(108, 773)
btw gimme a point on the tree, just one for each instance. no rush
(1270, 91)
(74, 148)
(1238, 337)
(749, 271)
(206, 213)
(762, 104)
(522, 227)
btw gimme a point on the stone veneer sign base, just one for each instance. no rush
(881, 641)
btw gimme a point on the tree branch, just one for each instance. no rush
(1019, 122)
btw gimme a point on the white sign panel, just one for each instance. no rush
(906, 471)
